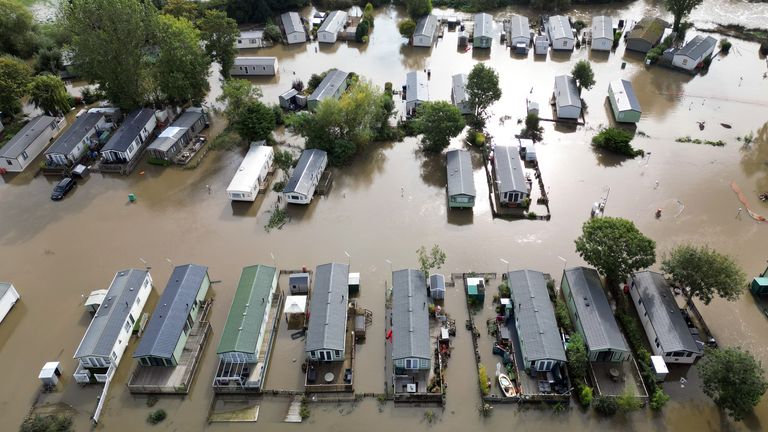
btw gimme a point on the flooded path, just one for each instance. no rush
(56, 252)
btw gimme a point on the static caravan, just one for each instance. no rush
(426, 29)
(70, 147)
(107, 337)
(567, 98)
(416, 91)
(459, 93)
(692, 55)
(411, 348)
(664, 325)
(327, 329)
(29, 142)
(252, 173)
(250, 39)
(602, 33)
(332, 86)
(646, 34)
(519, 33)
(301, 186)
(254, 66)
(624, 103)
(332, 26)
(8, 297)
(560, 33)
(511, 185)
(174, 317)
(293, 28)
(171, 140)
(483, 32)
(592, 315)
(461, 181)
(287, 100)
(126, 142)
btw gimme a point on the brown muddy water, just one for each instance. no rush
(56, 252)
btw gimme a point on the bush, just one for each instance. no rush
(578, 359)
(278, 186)
(585, 395)
(617, 141)
(483, 378)
(227, 140)
(579, 25)
(504, 291)
(298, 85)
(272, 33)
(563, 317)
(277, 111)
(388, 88)
(659, 399)
(725, 45)
(627, 402)
(156, 416)
(606, 405)
(532, 215)
(49, 423)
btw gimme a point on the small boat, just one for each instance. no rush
(507, 387)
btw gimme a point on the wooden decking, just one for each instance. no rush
(628, 380)
(178, 379)
(338, 369)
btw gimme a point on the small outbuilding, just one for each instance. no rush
(602, 33)
(527, 150)
(293, 28)
(540, 45)
(298, 283)
(691, 56)
(49, 375)
(254, 66)
(483, 31)
(437, 286)
(759, 286)
(295, 308)
(288, 100)
(459, 94)
(30, 141)
(567, 98)
(94, 300)
(426, 30)
(333, 25)
(560, 33)
(624, 103)
(8, 297)
(476, 289)
(646, 34)
(461, 182)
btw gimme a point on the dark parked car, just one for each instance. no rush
(62, 188)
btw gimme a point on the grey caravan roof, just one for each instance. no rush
(509, 169)
(328, 308)
(597, 320)
(459, 88)
(109, 320)
(329, 85)
(426, 26)
(292, 22)
(538, 330)
(483, 25)
(4, 287)
(129, 130)
(697, 47)
(566, 92)
(519, 27)
(602, 27)
(410, 316)
(23, 138)
(437, 282)
(559, 27)
(72, 136)
(334, 22)
(416, 88)
(664, 313)
(460, 179)
(176, 130)
(167, 323)
(310, 161)
(625, 97)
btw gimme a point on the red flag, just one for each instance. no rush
(389, 335)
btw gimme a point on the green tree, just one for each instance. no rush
(14, 78)
(235, 93)
(432, 259)
(585, 395)
(219, 33)
(109, 40)
(578, 361)
(48, 59)
(439, 122)
(704, 273)
(407, 27)
(482, 89)
(615, 247)
(734, 379)
(583, 74)
(284, 160)
(680, 9)
(361, 33)
(627, 402)
(551, 5)
(15, 29)
(368, 14)
(49, 93)
(606, 405)
(186, 9)
(182, 66)
(255, 121)
(616, 140)
(272, 33)
(533, 130)
(418, 8)
(659, 399)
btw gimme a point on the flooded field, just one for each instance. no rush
(55, 253)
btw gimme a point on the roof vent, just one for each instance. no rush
(587, 304)
(239, 329)
(245, 313)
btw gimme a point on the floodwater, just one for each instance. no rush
(55, 253)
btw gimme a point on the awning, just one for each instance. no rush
(295, 304)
